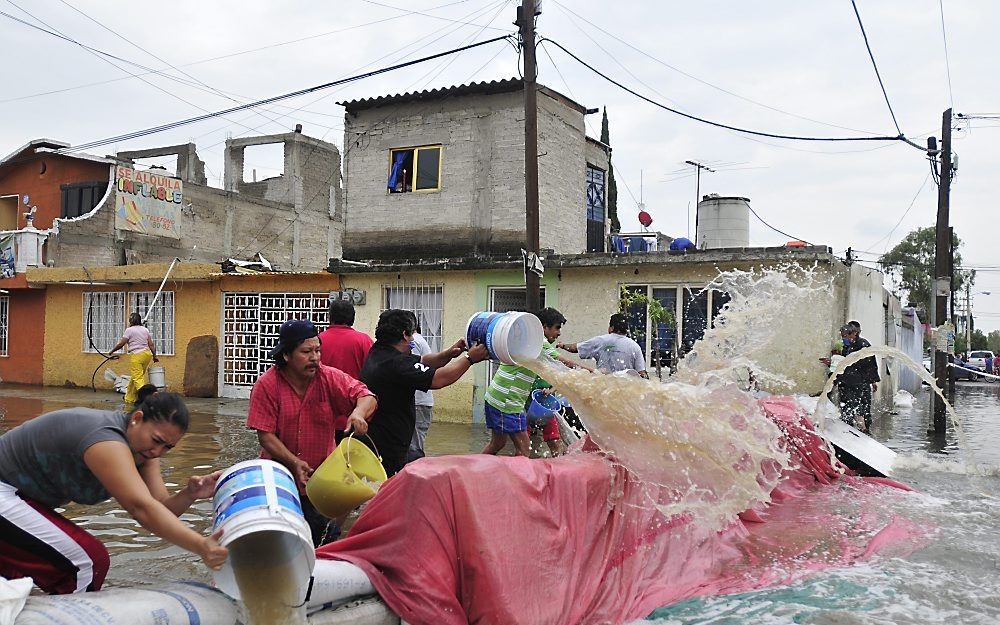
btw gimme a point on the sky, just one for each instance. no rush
(781, 67)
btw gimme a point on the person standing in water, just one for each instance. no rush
(141, 352)
(87, 455)
(613, 351)
(857, 383)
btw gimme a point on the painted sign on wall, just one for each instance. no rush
(148, 202)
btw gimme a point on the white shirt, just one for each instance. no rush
(613, 352)
(421, 348)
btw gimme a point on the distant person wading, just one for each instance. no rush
(141, 353)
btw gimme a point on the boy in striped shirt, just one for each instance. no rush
(510, 389)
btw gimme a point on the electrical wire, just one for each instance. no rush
(761, 220)
(888, 238)
(714, 123)
(875, 66)
(947, 61)
(572, 13)
(277, 98)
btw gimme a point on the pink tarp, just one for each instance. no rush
(482, 539)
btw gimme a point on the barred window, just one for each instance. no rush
(103, 320)
(4, 322)
(161, 322)
(426, 301)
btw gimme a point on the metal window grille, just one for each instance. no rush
(103, 320)
(160, 322)
(595, 209)
(426, 301)
(251, 322)
(4, 322)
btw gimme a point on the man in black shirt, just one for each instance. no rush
(393, 373)
(857, 383)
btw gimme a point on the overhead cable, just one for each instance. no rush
(775, 229)
(277, 98)
(875, 66)
(757, 133)
(947, 61)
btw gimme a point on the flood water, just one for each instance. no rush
(954, 579)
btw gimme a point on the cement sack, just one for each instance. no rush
(171, 604)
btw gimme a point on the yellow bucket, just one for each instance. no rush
(344, 481)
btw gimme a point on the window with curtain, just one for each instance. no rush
(160, 322)
(103, 320)
(4, 322)
(426, 301)
(414, 169)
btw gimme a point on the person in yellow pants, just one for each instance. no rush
(139, 344)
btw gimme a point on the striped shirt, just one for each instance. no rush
(511, 385)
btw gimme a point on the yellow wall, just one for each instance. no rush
(196, 313)
(454, 403)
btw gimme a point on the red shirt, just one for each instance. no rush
(305, 425)
(345, 348)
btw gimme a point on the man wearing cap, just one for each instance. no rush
(613, 351)
(857, 383)
(299, 406)
(394, 373)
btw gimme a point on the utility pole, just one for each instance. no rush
(942, 264)
(526, 22)
(697, 196)
(968, 315)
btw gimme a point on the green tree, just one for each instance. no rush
(655, 312)
(993, 341)
(612, 186)
(979, 340)
(911, 263)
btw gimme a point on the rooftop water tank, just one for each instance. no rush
(723, 222)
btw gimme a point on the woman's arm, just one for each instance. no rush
(198, 487)
(113, 464)
(120, 344)
(152, 347)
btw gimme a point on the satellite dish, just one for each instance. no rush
(645, 219)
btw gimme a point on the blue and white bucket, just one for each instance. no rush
(511, 338)
(543, 407)
(260, 496)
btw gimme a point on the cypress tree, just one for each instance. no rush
(612, 187)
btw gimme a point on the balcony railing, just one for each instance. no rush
(20, 249)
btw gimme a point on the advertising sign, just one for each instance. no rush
(7, 256)
(148, 202)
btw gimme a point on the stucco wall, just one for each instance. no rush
(196, 313)
(25, 337)
(44, 188)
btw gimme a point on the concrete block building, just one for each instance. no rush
(441, 173)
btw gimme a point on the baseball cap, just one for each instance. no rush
(293, 331)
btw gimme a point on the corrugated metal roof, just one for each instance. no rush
(494, 86)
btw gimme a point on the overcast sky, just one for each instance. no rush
(789, 67)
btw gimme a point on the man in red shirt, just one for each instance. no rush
(297, 407)
(344, 347)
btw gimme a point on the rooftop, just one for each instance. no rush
(506, 85)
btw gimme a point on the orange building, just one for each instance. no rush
(36, 179)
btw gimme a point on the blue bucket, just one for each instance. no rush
(542, 408)
(511, 338)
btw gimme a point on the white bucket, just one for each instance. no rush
(512, 338)
(259, 496)
(157, 376)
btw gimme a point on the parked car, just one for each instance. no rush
(977, 359)
(963, 371)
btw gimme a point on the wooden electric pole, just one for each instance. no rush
(526, 21)
(942, 274)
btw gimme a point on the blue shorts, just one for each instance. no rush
(505, 423)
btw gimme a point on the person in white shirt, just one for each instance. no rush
(424, 401)
(613, 351)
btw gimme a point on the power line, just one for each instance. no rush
(795, 238)
(888, 238)
(875, 65)
(718, 124)
(700, 80)
(278, 98)
(947, 61)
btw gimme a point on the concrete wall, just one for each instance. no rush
(25, 339)
(480, 206)
(44, 187)
(196, 313)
